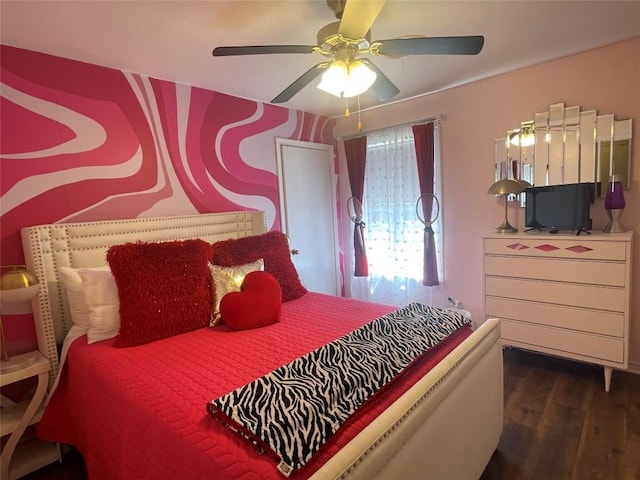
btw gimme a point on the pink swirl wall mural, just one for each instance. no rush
(81, 142)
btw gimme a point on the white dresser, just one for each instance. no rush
(564, 295)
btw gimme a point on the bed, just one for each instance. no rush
(140, 412)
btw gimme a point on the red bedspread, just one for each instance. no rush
(140, 412)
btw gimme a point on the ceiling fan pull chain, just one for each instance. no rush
(346, 108)
(359, 122)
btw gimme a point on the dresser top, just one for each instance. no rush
(594, 236)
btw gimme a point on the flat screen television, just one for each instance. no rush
(559, 207)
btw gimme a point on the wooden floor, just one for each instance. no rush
(559, 424)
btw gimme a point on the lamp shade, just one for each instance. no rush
(523, 183)
(333, 81)
(361, 78)
(614, 198)
(17, 284)
(506, 186)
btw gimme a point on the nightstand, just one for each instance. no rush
(19, 459)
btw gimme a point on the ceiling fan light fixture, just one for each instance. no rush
(344, 79)
(523, 137)
(335, 78)
(361, 78)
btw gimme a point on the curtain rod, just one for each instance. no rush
(437, 118)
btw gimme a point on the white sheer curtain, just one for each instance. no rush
(393, 232)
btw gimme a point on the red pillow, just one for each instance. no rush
(164, 289)
(273, 247)
(257, 305)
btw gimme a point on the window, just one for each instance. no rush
(393, 233)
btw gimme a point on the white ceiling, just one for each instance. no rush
(173, 40)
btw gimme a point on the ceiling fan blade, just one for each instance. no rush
(262, 49)
(302, 81)
(358, 16)
(383, 87)
(400, 47)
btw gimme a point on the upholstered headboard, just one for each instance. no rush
(49, 247)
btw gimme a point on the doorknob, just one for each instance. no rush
(295, 251)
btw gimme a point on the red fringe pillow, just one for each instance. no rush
(273, 247)
(164, 289)
(257, 305)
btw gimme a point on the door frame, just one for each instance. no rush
(329, 149)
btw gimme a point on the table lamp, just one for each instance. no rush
(614, 204)
(506, 187)
(17, 285)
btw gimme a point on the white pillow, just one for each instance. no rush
(73, 287)
(229, 279)
(101, 295)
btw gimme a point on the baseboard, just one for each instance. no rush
(634, 367)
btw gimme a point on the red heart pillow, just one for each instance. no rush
(258, 303)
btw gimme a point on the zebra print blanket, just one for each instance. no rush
(293, 410)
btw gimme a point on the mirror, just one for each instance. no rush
(514, 157)
(515, 154)
(500, 166)
(616, 161)
(566, 145)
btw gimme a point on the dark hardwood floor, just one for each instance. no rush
(71, 468)
(559, 424)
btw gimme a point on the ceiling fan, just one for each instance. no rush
(344, 42)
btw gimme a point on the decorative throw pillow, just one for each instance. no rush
(257, 305)
(73, 288)
(164, 289)
(101, 297)
(273, 247)
(229, 279)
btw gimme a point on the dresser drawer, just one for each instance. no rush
(574, 248)
(567, 343)
(592, 272)
(579, 319)
(562, 294)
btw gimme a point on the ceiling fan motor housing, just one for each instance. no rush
(329, 38)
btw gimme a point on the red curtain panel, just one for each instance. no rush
(423, 139)
(356, 152)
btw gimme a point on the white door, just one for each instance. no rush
(308, 210)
